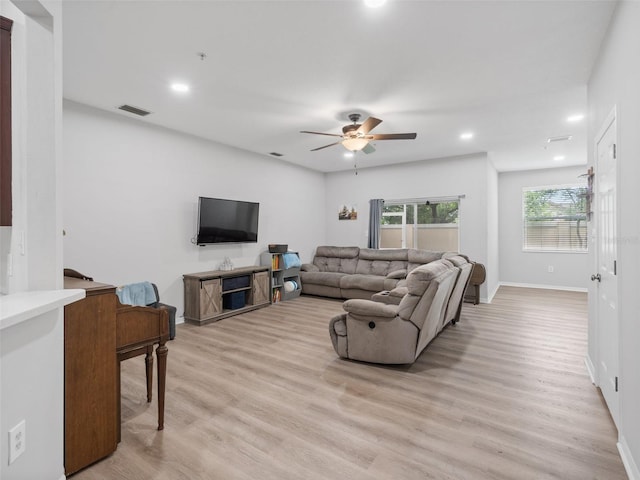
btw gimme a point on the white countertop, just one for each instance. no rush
(19, 307)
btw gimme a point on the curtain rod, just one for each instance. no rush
(424, 199)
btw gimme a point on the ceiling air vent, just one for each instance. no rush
(276, 154)
(563, 138)
(134, 110)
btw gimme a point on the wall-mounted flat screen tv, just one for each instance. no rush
(227, 221)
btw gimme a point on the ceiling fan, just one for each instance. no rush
(356, 136)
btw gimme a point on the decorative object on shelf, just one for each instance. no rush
(291, 260)
(226, 265)
(290, 286)
(278, 248)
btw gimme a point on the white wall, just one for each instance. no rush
(430, 178)
(615, 81)
(570, 270)
(493, 206)
(31, 358)
(130, 201)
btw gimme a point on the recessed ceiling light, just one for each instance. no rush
(575, 118)
(180, 87)
(466, 136)
(374, 3)
(348, 154)
(563, 138)
(559, 158)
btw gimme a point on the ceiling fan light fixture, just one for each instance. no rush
(180, 87)
(354, 144)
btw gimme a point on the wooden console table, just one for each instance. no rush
(210, 296)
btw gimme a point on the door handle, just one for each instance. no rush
(595, 277)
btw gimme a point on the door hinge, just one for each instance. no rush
(615, 153)
(616, 384)
(615, 267)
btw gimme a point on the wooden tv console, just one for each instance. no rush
(207, 295)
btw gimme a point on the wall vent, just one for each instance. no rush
(562, 138)
(276, 154)
(134, 110)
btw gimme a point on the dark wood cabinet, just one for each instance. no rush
(90, 375)
(5, 122)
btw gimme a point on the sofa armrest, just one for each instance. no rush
(368, 308)
(309, 267)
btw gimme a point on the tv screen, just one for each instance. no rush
(227, 221)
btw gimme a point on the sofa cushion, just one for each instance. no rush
(381, 262)
(417, 257)
(397, 274)
(389, 254)
(336, 259)
(371, 283)
(390, 297)
(329, 279)
(419, 278)
(369, 308)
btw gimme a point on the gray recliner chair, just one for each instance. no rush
(396, 334)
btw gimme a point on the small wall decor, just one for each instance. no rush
(347, 212)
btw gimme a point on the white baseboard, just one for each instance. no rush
(591, 370)
(547, 287)
(627, 459)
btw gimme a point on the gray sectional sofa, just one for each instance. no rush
(354, 272)
(375, 332)
(398, 300)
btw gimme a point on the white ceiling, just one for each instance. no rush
(510, 71)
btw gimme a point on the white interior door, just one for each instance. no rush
(606, 254)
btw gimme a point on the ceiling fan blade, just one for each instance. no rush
(395, 136)
(330, 145)
(320, 133)
(368, 125)
(369, 148)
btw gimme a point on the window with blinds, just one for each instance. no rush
(554, 218)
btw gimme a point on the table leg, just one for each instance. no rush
(149, 364)
(161, 353)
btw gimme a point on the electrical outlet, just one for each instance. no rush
(17, 441)
(550, 269)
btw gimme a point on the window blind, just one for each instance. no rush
(554, 218)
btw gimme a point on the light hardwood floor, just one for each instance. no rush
(504, 394)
